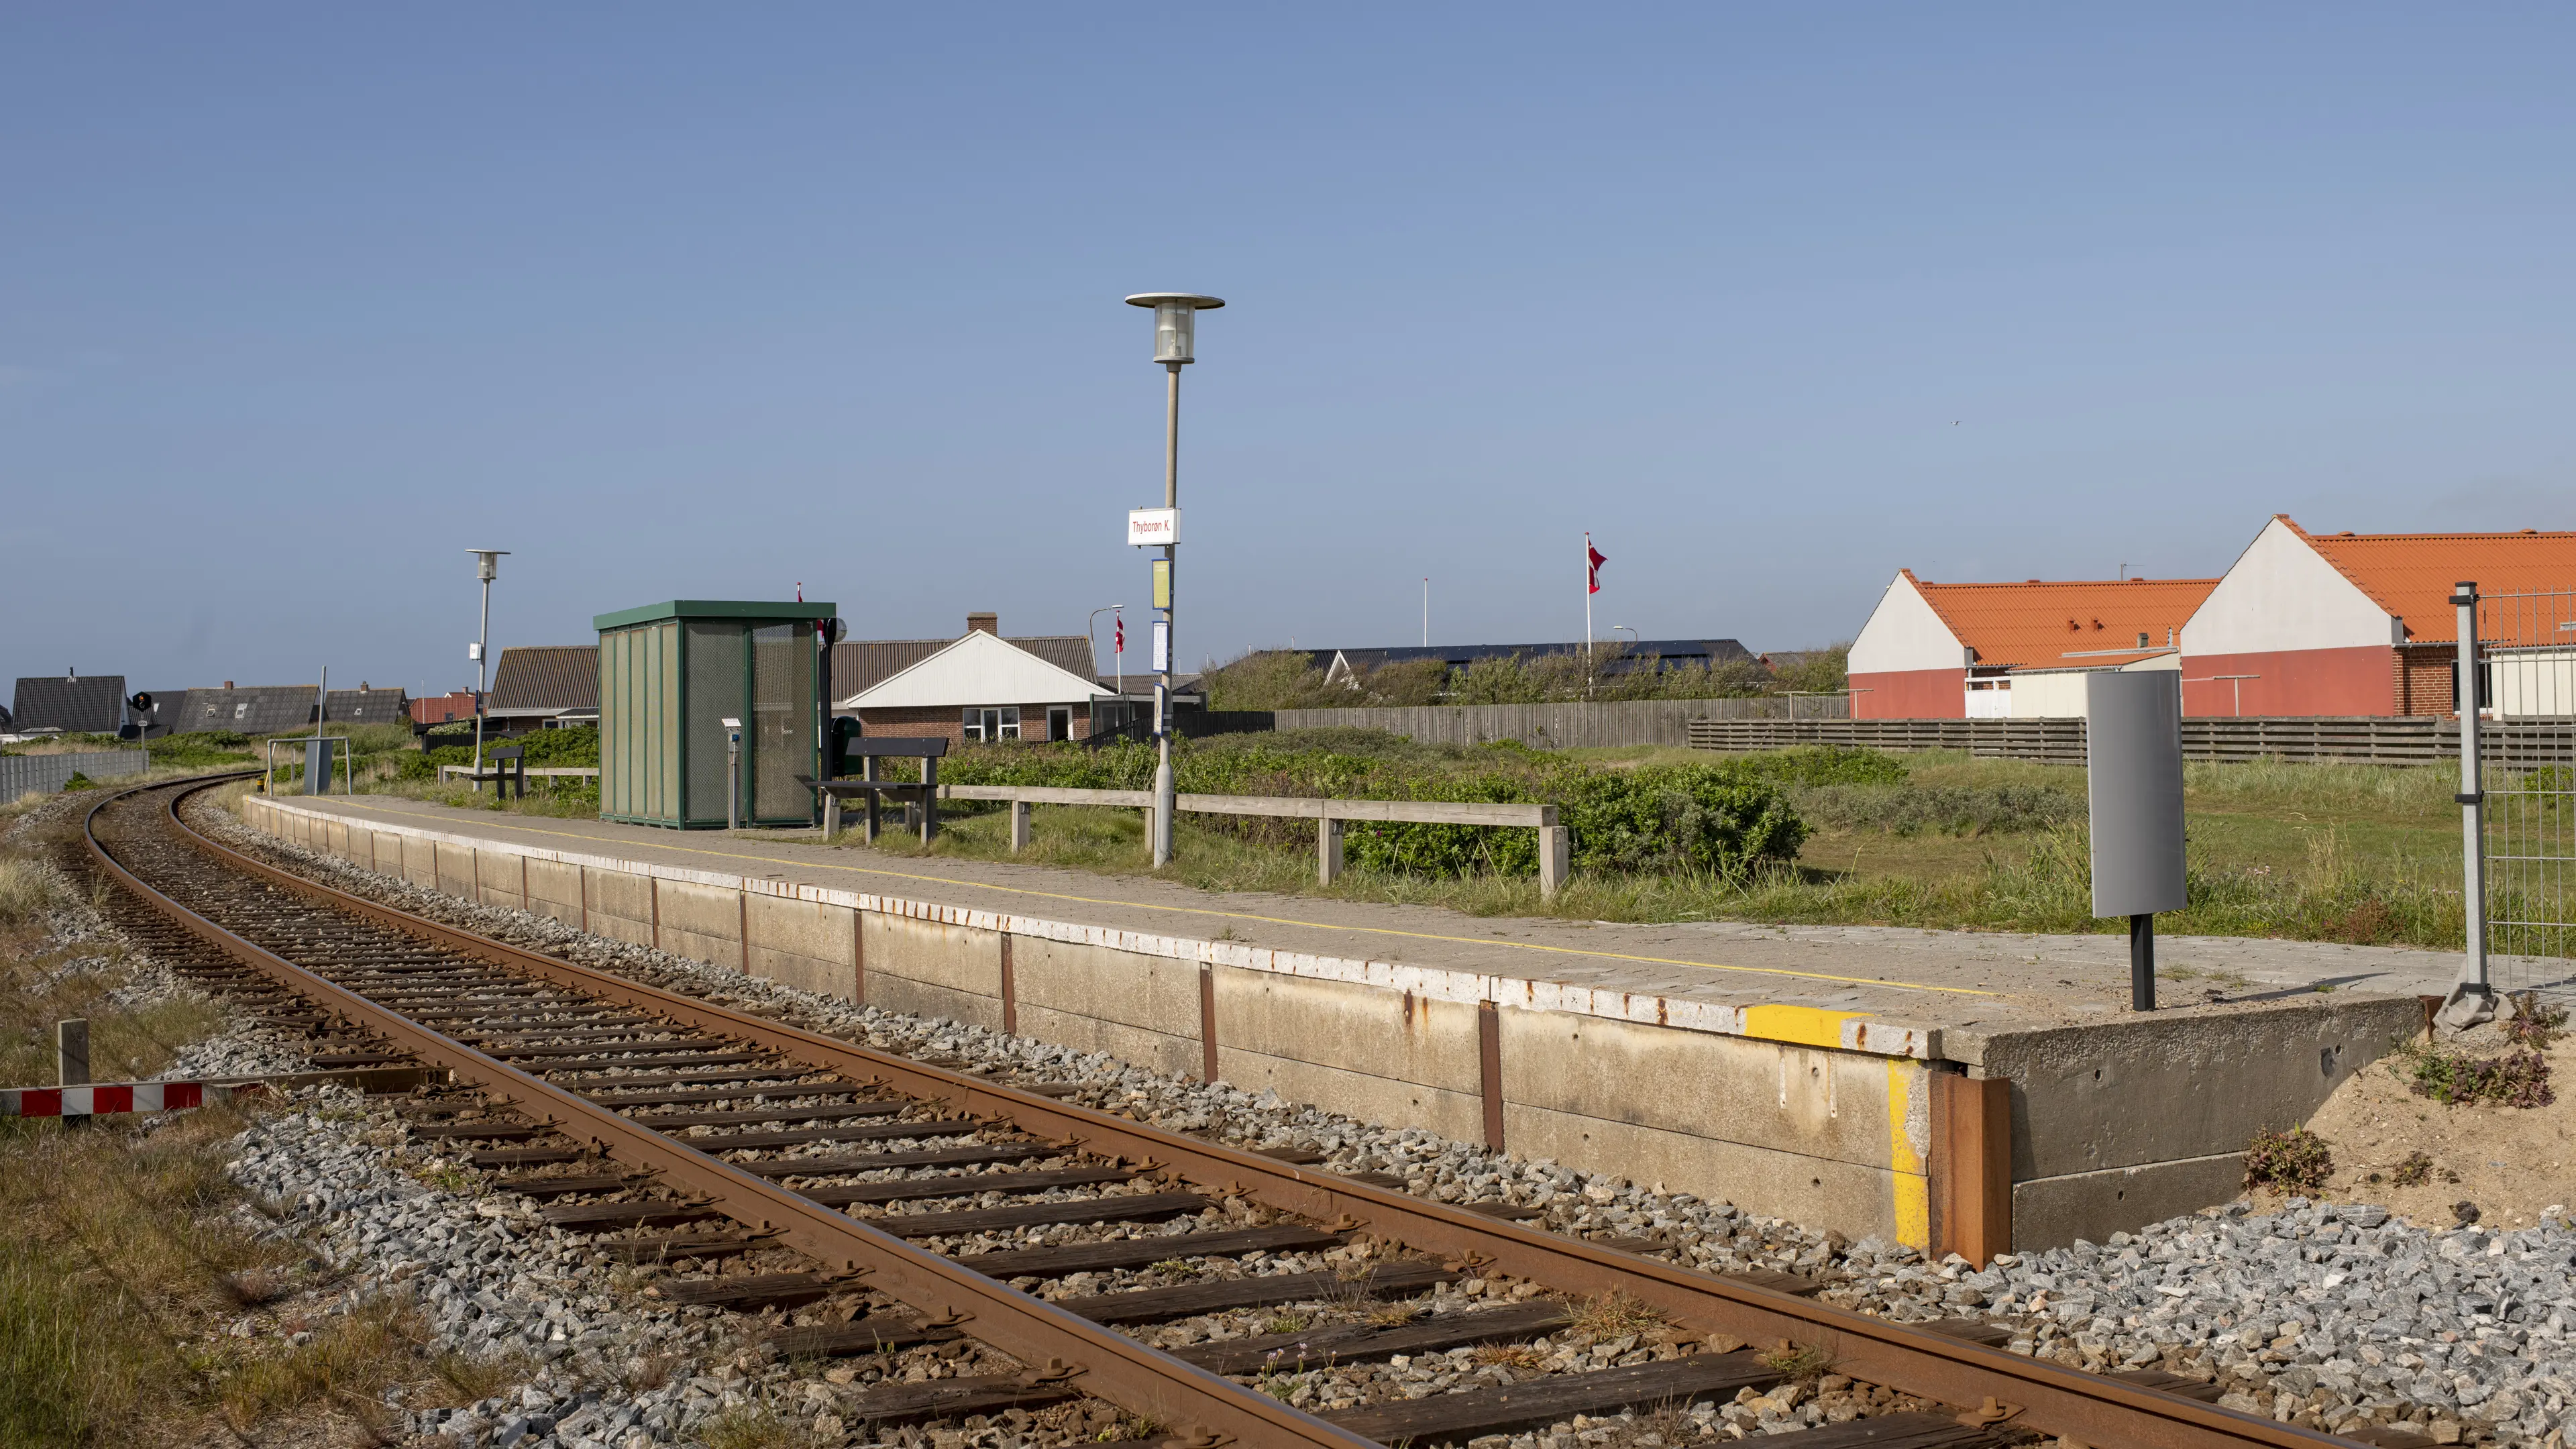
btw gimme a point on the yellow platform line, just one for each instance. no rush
(1239, 915)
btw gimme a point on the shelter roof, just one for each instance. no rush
(2038, 624)
(2410, 574)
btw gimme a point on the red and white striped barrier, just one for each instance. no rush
(94, 1101)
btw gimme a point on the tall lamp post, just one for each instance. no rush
(1175, 325)
(487, 567)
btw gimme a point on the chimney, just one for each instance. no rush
(983, 623)
(228, 684)
(70, 675)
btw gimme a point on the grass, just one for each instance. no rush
(121, 1258)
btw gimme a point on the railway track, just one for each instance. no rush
(920, 1205)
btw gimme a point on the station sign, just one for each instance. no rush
(1147, 527)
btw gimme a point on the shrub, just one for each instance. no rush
(1718, 818)
(2534, 1024)
(2295, 1161)
(1728, 816)
(79, 781)
(2517, 1079)
(1826, 765)
(2415, 1171)
(1938, 809)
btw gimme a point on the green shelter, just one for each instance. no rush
(671, 674)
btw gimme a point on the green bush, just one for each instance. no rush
(1938, 809)
(1727, 816)
(1719, 818)
(1825, 765)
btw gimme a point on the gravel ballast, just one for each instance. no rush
(2329, 1315)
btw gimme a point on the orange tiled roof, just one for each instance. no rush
(2084, 623)
(2411, 574)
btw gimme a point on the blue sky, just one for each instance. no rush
(297, 303)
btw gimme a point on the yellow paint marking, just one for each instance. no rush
(1910, 1184)
(1798, 1025)
(598, 842)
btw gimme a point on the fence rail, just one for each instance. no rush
(49, 773)
(2410, 740)
(1329, 817)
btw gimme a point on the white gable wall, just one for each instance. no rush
(978, 669)
(1903, 633)
(2281, 594)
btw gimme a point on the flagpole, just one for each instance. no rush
(1587, 595)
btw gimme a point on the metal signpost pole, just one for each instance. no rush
(1175, 326)
(487, 566)
(1166, 789)
(2472, 999)
(733, 774)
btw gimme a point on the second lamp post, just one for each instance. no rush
(1175, 317)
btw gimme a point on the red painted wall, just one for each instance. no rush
(2358, 680)
(1911, 694)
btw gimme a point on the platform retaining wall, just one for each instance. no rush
(1831, 1119)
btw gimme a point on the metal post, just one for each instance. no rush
(1165, 789)
(71, 1062)
(2142, 963)
(733, 776)
(2472, 999)
(482, 662)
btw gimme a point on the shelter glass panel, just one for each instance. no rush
(782, 718)
(714, 658)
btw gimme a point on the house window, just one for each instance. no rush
(1060, 722)
(2142, 639)
(241, 709)
(987, 723)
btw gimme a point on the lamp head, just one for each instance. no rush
(487, 566)
(1175, 318)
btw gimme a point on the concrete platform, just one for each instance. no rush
(1799, 1071)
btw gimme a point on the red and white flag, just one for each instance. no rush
(1120, 622)
(1593, 560)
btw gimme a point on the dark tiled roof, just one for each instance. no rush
(267, 708)
(859, 664)
(547, 676)
(50, 701)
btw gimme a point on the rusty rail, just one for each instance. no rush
(1110, 1365)
(2095, 1410)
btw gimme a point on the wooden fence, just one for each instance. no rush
(1572, 725)
(2409, 740)
(1329, 817)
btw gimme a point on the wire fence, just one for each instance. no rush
(49, 773)
(2528, 671)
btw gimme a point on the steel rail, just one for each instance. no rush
(1110, 1365)
(2092, 1409)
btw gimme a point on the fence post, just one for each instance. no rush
(1019, 826)
(1555, 860)
(2472, 1000)
(1328, 849)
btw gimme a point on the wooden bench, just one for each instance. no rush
(875, 792)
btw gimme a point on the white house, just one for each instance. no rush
(979, 689)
